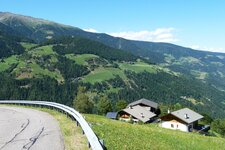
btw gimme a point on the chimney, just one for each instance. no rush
(186, 116)
(131, 107)
(168, 111)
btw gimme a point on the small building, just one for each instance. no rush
(183, 119)
(142, 110)
(112, 115)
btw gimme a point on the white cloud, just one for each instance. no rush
(91, 30)
(211, 49)
(195, 47)
(158, 35)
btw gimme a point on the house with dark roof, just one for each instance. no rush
(184, 119)
(142, 110)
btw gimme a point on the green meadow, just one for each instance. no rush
(101, 74)
(81, 59)
(105, 73)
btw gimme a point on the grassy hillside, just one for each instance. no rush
(69, 62)
(120, 135)
(42, 61)
(103, 74)
(31, 64)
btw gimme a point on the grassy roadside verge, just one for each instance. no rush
(124, 136)
(72, 135)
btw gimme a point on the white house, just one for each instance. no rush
(183, 119)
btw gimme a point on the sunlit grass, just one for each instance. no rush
(27, 46)
(125, 136)
(81, 59)
(73, 137)
(102, 74)
(6, 63)
(138, 67)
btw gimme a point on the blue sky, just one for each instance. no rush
(192, 23)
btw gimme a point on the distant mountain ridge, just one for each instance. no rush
(13, 21)
(38, 30)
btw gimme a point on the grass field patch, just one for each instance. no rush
(199, 74)
(102, 74)
(194, 101)
(6, 63)
(37, 70)
(138, 67)
(169, 58)
(29, 70)
(81, 59)
(43, 51)
(217, 64)
(27, 46)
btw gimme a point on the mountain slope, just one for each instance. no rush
(206, 66)
(60, 65)
(106, 65)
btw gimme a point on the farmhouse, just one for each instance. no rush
(183, 119)
(142, 110)
(147, 104)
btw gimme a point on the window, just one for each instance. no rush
(177, 126)
(172, 126)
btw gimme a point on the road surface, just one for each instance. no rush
(28, 129)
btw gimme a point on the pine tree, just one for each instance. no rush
(121, 104)
(81, 103)
(104, 106)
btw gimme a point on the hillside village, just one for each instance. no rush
(146, 111)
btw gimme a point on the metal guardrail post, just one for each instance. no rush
(89, 145)
(101, 141)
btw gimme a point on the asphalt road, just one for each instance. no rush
(28, 129)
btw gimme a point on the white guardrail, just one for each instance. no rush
(92, 138)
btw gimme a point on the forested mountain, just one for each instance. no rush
(8, 44)
(206, 66)
(44, 60)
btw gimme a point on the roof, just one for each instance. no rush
(111, 115)
(145, 102)
(140, 113)
(187, 115)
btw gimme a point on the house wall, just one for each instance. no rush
(195, 124)
(174, 125)
(128, 119)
